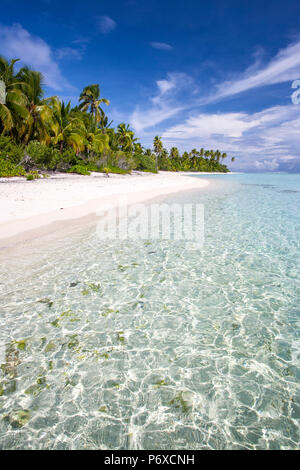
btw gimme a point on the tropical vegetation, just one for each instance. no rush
(41, 134)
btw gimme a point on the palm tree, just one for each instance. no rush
(158, 148)
(194, 158)
(125, 137)
(96, 140)
(174, 152)
(90, 99)
(104, 124)
(66, 129)
(13, 112)
(35, 126)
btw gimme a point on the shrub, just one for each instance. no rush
(80, 170)
(116, 170)
(8, 169)
(109, 169)
(43, 156)
(10, 151)
(145, 162)
(67, 159)
(33, 175)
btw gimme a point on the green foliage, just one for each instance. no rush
(43, 156)
(38, 133)
(145, 162)
(80, 170)
(67, 159)
(10, 151)
(8, 169)
(32, 175)
(116, 170)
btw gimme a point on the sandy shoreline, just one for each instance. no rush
(33, 208)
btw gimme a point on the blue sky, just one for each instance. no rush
(212, 74)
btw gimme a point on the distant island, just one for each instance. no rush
(39, 134)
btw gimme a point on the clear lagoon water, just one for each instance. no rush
(153, 345)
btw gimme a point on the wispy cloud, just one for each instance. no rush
(267, 140)
(16, 42)
(70, 53)
(163, 46)
(285, 66)
(164, 104)
(106, 24)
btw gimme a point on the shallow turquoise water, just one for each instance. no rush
(153, 345)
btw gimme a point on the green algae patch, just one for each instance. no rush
(104, 356)
(34, 390)
(180, 402)
(121, 337)
(38, 387)
(103, 409)
(67, 313)
(41, 381)
(109, 311)
(94, 287)
(50, 346)
(21, 344)
(1, 390)
(73, 343)
(161, 383)
(70, 315)
(17, 419)
(122, 268)
(85, 292)
(12, 360)
(55, 323)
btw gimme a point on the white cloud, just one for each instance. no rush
(141, 119)
(164, 103)
(267, 140)
(267, 165)
(285, 66)
(69, 53)
(17, 43)
(161, 46)
(207, 125)
(165, 86)
(106, 24)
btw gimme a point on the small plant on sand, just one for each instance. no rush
(32, 175)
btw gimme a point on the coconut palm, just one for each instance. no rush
(104, 123)
(125, 137)
(14, 111)
(90, 100)
(40, 114)
(96, 140)
(66, 130)
(158, 148)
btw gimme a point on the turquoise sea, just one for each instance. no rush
(152, 344)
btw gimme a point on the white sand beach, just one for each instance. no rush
(28, 206)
